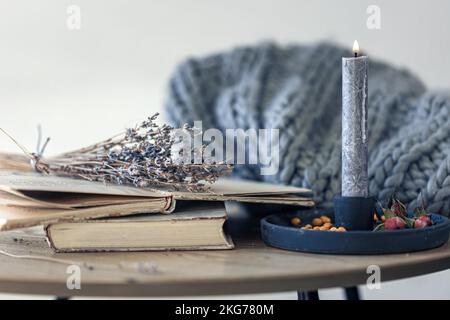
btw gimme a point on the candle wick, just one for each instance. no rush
(356, 54)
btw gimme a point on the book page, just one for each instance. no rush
(14, 217)
(30, 181)
(223, 190)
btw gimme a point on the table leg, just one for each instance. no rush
(352, 293)
(308, 295)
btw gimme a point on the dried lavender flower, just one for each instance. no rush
(142, 156)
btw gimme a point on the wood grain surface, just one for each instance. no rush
(252, 267)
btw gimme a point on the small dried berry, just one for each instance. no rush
(327, 225)
(317, 222)
(296, 221)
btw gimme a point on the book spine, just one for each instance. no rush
(170, 205)
(48, 238)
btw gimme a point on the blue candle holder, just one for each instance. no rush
(354, 213)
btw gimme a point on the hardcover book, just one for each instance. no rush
(193, 226)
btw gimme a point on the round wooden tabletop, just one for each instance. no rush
(28, 265)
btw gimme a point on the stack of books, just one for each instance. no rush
(80, 215)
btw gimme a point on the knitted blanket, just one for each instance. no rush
(297, 89)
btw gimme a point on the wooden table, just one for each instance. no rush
(252, 267)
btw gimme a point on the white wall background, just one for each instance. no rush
(88, 84)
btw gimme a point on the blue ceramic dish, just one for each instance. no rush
(277, 231)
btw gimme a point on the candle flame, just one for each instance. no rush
(356, 47)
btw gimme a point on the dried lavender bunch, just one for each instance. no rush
(143, 156)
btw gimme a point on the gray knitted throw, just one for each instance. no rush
(298, 90)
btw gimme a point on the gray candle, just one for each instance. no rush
(354, 125)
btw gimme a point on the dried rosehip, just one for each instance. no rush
(426, 219)
(394, 223)
(420, 224)
(399, 208)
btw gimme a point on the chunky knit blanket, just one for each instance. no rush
(298, 90)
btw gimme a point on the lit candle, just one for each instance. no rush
(354, 125)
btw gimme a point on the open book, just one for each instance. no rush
(29, 199)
